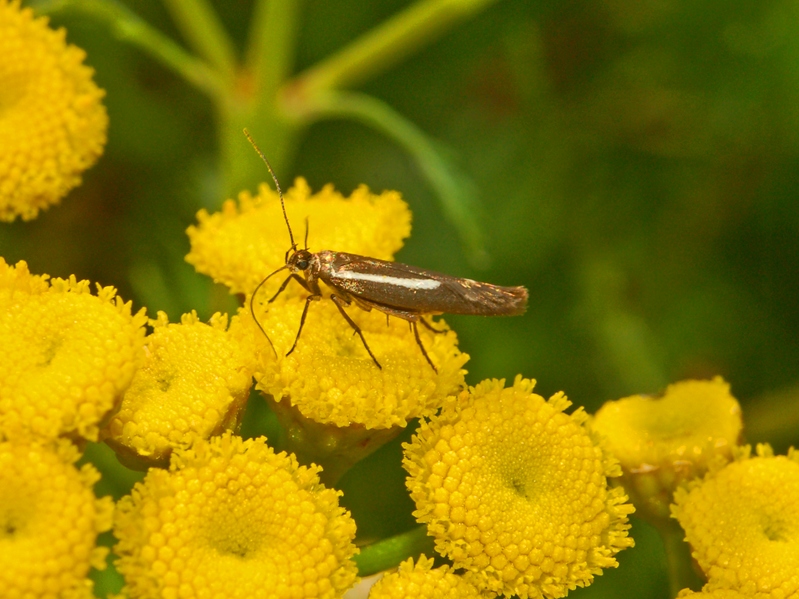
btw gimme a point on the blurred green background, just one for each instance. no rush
(637, 163)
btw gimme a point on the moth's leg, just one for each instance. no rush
(430, 327)
(308, 300)
(297, 278)
(340, 303)
(419, 342)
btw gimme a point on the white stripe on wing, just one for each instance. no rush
(413, 284)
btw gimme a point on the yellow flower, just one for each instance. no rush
(194, 382)
(243, 243)
(422, 581)
(663, 441)
(230, 518)
(18, 280)
(67, 354)
(515, 491)
(717, 594)
(49, 521)
(330, 377)
(52, 122)
(742, 523)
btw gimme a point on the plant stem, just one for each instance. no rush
(388, 553)
(201, 27)
(678, 556)
(387, 44)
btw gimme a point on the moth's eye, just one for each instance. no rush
(302, 264)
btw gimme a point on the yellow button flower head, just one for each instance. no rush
(230, 518)
(194, 382)
(422, 581)
(52, 122)
(515, 491)
(67, 354)
(49, 521)
(243, 243)
(331, 378)
(663, 441)
(742, 523)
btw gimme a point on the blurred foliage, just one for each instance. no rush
(637, 162)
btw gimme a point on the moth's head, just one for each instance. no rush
(299, 261)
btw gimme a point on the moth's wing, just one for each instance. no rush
(419, 290)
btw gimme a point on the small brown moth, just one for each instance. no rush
(395, 289)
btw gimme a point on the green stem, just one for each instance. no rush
(129, 28)
(271, 47)
(388, 553)
(678, 557)
(201, 27)
(387, 44)
(253, 100)
(457, 195)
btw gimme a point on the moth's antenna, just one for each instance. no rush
(252, 306)
(274, 178)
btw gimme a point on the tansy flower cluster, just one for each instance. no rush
(518, 494)
(515, 491)
(663, 441)
(68, 354)
(52, 122)
(49, 520)
(193, 383)
(742, 522)
(231, 518)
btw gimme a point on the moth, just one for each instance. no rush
(399, 290)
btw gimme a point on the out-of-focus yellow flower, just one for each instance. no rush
(717, 594)
(52, 122)
(194, 383)
(663, 441)
(331, 378)
(515, 491)
(67, 354)
(233, 519)
(50, 519)
(742, 523)
(422, 581)
(243, 243)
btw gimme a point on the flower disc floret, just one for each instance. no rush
(515, 491)
(193, 383)
(49, 522)
(231, 518)
(422, 581)
(742, 523)
(67, 356)
(663, 441)
(244, 242)
(52, 122)
(330, 377)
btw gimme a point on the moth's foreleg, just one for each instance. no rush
(308, 300)
(297, 278)
(419, 342)
(340, 303)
